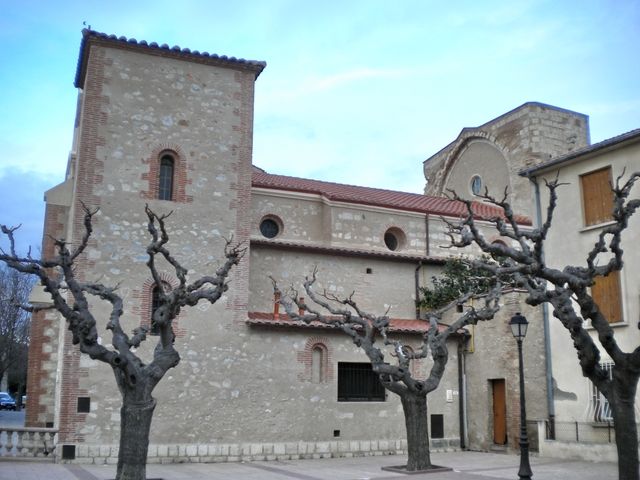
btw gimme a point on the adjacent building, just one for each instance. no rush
(584, 208)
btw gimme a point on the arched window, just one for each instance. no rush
(165, 178)
(155, 304)
(317, 364)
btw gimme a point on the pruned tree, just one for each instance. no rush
(390, 358)
(135, 379)
(567, 290)
(14, 327)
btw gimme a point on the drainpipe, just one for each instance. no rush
(417, 287)
(547, 332)
(426, 234)
(462, 392)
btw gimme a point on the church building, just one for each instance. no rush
(173, 128)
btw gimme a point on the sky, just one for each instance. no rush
(355, 91)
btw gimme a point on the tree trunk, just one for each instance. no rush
(135, 423)
(624, 418)
(415, 419)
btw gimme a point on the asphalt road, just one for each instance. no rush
(9, 418)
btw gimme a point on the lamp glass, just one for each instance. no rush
(518, 324)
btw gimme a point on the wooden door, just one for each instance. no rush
(499, 412)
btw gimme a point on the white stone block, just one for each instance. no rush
(192, 451)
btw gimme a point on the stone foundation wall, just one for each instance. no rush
(237, 452)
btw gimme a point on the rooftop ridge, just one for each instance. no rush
(415, 202)
(155, 48)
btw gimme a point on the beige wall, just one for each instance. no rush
(312, 219)
(568, 242)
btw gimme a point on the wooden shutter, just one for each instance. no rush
(606, 293)
(597, 197)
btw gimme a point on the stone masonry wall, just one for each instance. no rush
(135, 105)
(526, 136)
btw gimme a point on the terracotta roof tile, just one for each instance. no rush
(397, 325)
(345, 251)
(153, 47)
(414, 202)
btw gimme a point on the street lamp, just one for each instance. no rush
(518, 324)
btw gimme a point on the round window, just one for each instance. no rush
(476, 185)
(394, 239)
(391, 241)
(269, 228)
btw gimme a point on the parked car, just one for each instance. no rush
(6, 402)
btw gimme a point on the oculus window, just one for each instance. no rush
(394, 239)
(270, 227)
(476, 185)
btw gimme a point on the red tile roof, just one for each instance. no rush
(346, 251)
(414, 202)
(154, 49)
(397, 325)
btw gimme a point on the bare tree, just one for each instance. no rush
(371, 333)
(135, 379)
(567, 290)
(14, 326)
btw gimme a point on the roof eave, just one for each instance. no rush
(92, 37)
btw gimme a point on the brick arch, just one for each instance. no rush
(180, 177)
(498, 239)
(145, 302)
(461, 144)
(305, 357)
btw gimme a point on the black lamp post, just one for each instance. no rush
(518, 324)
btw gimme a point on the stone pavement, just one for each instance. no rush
(466, 466)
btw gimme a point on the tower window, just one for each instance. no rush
(165, 180)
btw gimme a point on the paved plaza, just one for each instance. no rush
(466, 466)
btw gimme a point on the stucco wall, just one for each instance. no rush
(568, 243)
(311, 219)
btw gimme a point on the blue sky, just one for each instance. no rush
(356, 92)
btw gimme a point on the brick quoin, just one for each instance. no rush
(37, 413)
(41, 378)
(241, 202)
(89, 174)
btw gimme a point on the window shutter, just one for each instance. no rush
(606, 293)
(597, 197)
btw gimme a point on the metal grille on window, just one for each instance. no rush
(357, 382)
(599, 408)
